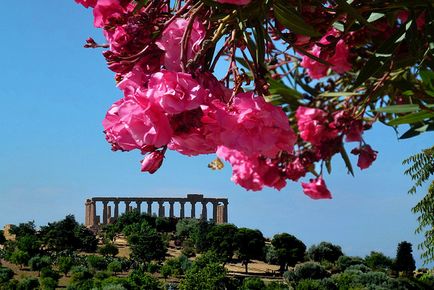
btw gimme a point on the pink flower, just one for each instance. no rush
(152, 161)
(313, 126)
(366, 156)
(216, 88)
(129, 125)
(106, 10)
(254, 127)
(334, 53)
(316, 189)
(195, 132)
(87, 3)
(296, 169)
(170, 42)
(139, 75)
(235, 2)
(175, 92)
(252, 172)
(352, 128)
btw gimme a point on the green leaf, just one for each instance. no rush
(379, 62)
(328, 164)
(288, 17)
(353, 12)
(427, 77)
(412, 118)
(396, 109)
(375, 16)
(409, 134)
(346, 159)
(340, 94)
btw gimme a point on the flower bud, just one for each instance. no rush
(152, 161)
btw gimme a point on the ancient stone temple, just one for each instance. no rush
(105, 210)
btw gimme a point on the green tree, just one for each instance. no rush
(421, 168)
(29, 244)
(37, 263)
(96, 263)
(28, 283)
(404, 261)
(146, 244)
(204, 276)
(108, 249)
(324, 251)
(115, 266)
(377, 261)
(23, 229)
(252, 283)
(289, 250)
(20, 257)
(186, 228)
(221, 239)
(346, 261)
(65, 264)
(6, 274)
(250, 244)
(139, 280)
(60, 236)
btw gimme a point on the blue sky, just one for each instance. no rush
(53, 155)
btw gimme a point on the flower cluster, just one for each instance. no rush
(164, 59)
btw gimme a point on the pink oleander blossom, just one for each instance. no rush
(316, 189)
(252, 172)
(195, 134)
(366, 156)
(175, 92)
(129, 125)
(106, 10)
(235, 2)
(254, 126)
(139, 75)
(87, 3)
(336, 54)
(152, 162)
(313, 125)
(296, 169)
(170, 42)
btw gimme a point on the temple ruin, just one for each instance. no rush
(110, 209)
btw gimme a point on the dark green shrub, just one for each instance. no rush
(252, 284)
(324, 251)
(96, 263)
(345, 261)
(48, 283)
(6, 274)
(309, 270)
(28, 284)
(108, 249)
(115, 266)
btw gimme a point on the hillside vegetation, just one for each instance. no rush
(145, 252)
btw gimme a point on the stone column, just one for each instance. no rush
(127, 206)
(215, 205)
(161, 209)
(139, 206)
(104, 212)
(182, 209)
(225, 211)
(193, 209)
(87, 213)
(93, 213)
(150, 208)
(171, 214)
(116, 213)
(204, 214)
